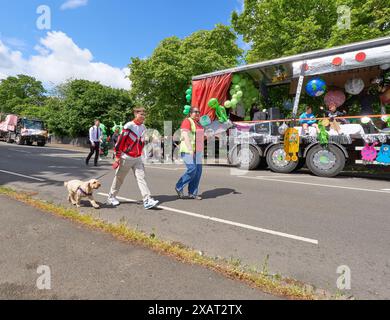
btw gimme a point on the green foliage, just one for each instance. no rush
(21, 93)
(80, 102)
(160, 81)
(278, 28)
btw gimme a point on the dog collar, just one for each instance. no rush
(83, 192)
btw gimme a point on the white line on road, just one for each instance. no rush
(316, 184)
(162, 168)
(21, 151)
(22, 175)
(228, 222)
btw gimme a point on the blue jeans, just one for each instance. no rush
(193, 174)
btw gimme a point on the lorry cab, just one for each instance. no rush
(29, 131)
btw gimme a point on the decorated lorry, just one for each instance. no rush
(347, 89)
(23, 130)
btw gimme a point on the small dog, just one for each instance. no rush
(78, 189)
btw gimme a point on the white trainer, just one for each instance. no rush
(113, 201)
(150, 203)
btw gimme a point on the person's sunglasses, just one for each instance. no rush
(197, 112)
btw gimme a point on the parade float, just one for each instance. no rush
(353, 79)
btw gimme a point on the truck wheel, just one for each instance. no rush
(41, 144)
(325, 161)
(29, 143)
(276, 159)
(246, 159)
(19, 140)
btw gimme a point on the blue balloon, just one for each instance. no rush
(316, 87)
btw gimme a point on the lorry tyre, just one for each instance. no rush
(41, 143)
(276, 160)
(19, 140)
(29, 142)
(248, 159)
(326, 161)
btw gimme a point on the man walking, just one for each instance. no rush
(128, 156)
(95, 138)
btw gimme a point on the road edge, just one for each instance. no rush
(270, 284)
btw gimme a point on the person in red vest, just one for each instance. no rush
(191, 151)
(128, 152)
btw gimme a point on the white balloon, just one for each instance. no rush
(354, 86)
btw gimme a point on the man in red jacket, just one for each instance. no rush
(128, 156)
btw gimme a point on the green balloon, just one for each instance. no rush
(240, 94)
(188, 97)
(188, 92)
(235, 97)
(187, 110)
(228, 104)
(237, 88)
(236, 79)
(243, 83)
(232, 91)
(213, 103)
(234, 102)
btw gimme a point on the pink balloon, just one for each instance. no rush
(335, 96)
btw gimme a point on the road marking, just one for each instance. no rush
(22, 175)
(21, 151)
(228, 222)
(317, 184)
(161, 168)
(385, 189)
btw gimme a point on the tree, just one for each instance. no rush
(17, 93)
(160, 81)
(80, 102)
(278, 28)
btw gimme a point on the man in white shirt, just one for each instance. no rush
(95, 138)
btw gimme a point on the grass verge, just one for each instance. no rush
(272, 284)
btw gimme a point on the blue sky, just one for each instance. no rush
(111, 31)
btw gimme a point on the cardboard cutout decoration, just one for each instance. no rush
(291, 144)
(384, 155)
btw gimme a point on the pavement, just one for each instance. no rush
(296, 225)
(86, 264)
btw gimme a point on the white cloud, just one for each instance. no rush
(73, 4)
(58, 59)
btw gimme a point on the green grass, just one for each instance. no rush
(231, 268)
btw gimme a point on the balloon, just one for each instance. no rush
(187, 110)
(232, 91)
(228, 104)
(237, 88)
(234, 102)
(189, 92)
(235, 97)
(188, 97)
(335, 96)
(354, 86)
(316, 87)
(205, 121)
(240, 94)
(220, 111)
(213, 103)
(243, 83)
(236, 79)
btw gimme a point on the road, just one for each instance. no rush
(85, 264)
(297, 225)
